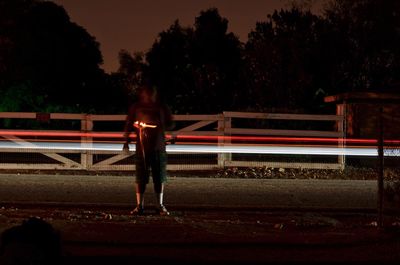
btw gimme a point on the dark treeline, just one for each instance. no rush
(290, 62)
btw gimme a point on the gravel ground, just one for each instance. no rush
(355, 173)
(281, 173)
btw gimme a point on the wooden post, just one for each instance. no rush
(341, 127)
(224, 126)
(227, 134)
(87, 156)
(221, 140)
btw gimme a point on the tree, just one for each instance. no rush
(285, 63)
(132, 68)
(54, 59)
(369, 31)
(197, 69)
(170, 67)
(218, 63)
(296, 57)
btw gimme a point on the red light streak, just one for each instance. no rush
(60, 134)
(196, 137)
(276, 139)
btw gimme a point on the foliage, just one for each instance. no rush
(284, 61)
(289, 63)
(40, 46)
(369, 35)
(131, 71)
(295, 58)
(171, 67)
(197, 69)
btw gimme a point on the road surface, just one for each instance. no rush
(182, 192)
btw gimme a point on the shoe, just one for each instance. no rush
(162, 210)
(137, 211)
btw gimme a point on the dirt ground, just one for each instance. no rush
(355, 173)
(112, 236)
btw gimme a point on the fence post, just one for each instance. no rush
(221, 128)
(341, 127)
(87, 156)
(224, 125)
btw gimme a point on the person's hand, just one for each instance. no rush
(125, 149)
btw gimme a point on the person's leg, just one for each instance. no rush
(159, 173)
(140, 189)
(142, 178)
(159, 191)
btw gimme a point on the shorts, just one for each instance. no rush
(157, 162)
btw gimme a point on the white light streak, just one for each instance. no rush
(204, 149)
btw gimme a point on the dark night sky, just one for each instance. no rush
(133, 25)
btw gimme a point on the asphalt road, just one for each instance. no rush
(182, 192)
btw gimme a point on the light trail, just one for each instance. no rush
(258, 144)
(61, 134)
(278, 139)
(211, 149)
(31, 133)
(183, 137)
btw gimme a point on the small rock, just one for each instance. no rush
(396, 224)
(178, 220)
(108, 217)
(374, 223)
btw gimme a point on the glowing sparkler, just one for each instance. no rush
(138, 124)
(142, 135)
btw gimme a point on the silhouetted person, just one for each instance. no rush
(149, 118)
(33, 242)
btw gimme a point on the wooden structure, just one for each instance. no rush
(362, 112)
(218, 125)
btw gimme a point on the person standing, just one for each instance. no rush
(149, 118)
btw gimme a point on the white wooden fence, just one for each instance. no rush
(219, 126)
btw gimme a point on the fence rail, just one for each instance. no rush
(220, 126)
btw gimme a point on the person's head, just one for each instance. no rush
(148, 94)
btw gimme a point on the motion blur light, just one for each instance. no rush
(211, 149)
(90, 141)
